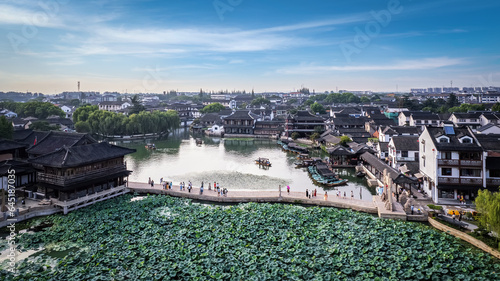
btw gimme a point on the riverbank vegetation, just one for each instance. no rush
(161, 237)
(89, 119)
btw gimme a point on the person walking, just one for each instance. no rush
(344, 194)
(412, 209)
(352, 194)
(288, 189)
(326, 195)
(307, 193)
(170, 185)
(315, 192)
(149, 180)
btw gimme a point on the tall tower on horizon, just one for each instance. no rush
(78, 86)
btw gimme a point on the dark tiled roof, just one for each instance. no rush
(405, 143)
(339, 150)
(490, 142)
(491, 116)
(240, 115)
(82, 155)
(384, 146)
(378, 164)
(473, 115)
(19, 167)
(486, 127)
(399, 130)
(454, 144)
(6, 145)
(425, 116)
(383, 122)
(210, 117)
(55, 140)
(20, 135)
(304, 115)
(349, 121)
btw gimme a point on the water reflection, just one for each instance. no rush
(230, 162)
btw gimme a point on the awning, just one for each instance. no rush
(419, 175)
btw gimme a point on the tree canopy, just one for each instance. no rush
(260, 101)
(6, 128)
(37, 109)
(318, 108)
(465, 107)
(43, 126)
(213, 107)
(110, 123)
(488, 205)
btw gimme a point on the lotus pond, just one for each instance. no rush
(162, 238)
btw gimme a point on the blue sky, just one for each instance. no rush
(155, 46)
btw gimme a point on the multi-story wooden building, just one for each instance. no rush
(240, 122)
(70, 173)
(304, 123)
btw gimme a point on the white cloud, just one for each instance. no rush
(418, 64)
(32, 17)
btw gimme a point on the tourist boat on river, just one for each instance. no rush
(150, 146)
(263, 162)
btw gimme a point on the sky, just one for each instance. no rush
(154, 46)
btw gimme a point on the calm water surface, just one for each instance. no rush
(229, 162)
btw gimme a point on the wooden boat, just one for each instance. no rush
(360, 174)
(150, 146)
(263, 162)
(324, 177)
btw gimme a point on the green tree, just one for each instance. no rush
(291, 101)
(83, 113)
(452, 101)
(213, 107)
(364, 100)
(318, 108)
(488, 205)
(344, 140)
(315, 136)
(6, 128)
(260, 101)
(82, 127)
(136, 105)
(496, 107)
(295, 135)
(43, 126)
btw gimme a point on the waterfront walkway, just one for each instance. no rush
(244, 196)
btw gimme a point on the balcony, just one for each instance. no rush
(464, 181)
(405, 159)
(456, 162)
(448, 162)
(77, 178)
(493, 182)
(471, 163)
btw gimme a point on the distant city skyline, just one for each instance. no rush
(155, 46)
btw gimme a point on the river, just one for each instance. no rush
(230, 162)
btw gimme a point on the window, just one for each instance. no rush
(462, 120)
(404, 153)
(466, 140)
(495, 173)
(470, 156)
(446, 171)
(446, 155)
(470, 172)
